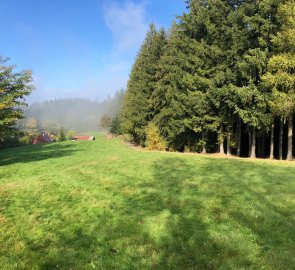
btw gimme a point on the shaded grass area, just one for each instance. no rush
(100, 205)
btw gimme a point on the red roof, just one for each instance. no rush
(83, 138)
(44, 138)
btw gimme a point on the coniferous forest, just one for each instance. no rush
(222, 79)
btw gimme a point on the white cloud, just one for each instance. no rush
(126, 20)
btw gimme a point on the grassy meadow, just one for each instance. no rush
(101, 205)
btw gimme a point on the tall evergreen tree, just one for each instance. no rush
(137, 110)
(259, 19)
(170, 99)
(281, 70)
(211, 25)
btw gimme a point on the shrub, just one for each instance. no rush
(105, 122)
(70, 134)
(62, 135)
(115, 126)
(125, 137)
(9, 141)
(154, 140)
(26, 139)
(16, 140)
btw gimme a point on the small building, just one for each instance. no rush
(44, 138)
(83, 138)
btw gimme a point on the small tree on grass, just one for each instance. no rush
(105, 122)
(62, 135)
(115, 127)
(31, 127)
(154, 140)
(70, 134)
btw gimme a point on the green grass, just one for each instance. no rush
(100, 205)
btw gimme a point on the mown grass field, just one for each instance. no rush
(100, 205)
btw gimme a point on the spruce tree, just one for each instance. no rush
(115, 127)
(211, 25)
(170, 100)
(259, 19)
(281, 71)
(137, 111)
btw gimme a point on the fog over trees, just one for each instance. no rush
(76, 114)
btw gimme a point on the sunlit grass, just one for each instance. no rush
(99, 205)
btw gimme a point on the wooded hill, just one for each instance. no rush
(221, 80)
(76, 114)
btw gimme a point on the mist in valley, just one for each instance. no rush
(77, 114)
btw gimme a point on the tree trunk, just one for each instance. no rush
(290, 138)
(221, 148)
(189, 145)
(250, 139)
(228, 149)
(221, 143)
(204, 146)
(253, 144)
(204, 151)
(272, 136)
(239, 137)
(281, 139)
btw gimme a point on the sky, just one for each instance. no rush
(79, 48)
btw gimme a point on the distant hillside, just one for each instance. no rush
(72, 113)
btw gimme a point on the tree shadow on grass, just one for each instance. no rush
(260, 199)
(171, 222)
(186, 215)
(32, 153)
(156, 228)
(218, 214)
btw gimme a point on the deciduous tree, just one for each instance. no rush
(14, 88)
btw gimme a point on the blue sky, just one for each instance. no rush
(79, 48)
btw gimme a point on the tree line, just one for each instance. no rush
(78, 114)
(220, 80)
(62, 118)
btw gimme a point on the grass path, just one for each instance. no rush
(100, 205)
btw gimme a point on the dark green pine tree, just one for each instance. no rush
(226, 40)
(209, 24)
(280, 78)
(115, 127)
(137, 110)
(169, 100)
(260, 23)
